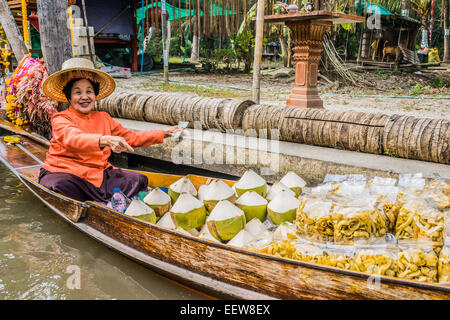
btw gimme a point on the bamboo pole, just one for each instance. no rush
(258, 52)
(87, 32)
(12, 32)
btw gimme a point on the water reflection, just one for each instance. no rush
(37, 247)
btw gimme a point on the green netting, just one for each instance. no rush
(370, 7)
(176, 13)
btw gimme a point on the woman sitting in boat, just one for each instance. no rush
(82, 140)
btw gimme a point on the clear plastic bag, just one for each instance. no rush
(339, 256)
(444, 263)
(376, 258)
(420, 219)
(417, 260)
(387, 202)
(411, 182)
(358, 219)
(314, 220)
(309, 252)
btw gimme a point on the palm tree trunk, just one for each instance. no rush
(446, 8)
(195, 47)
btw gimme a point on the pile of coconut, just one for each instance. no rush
(248, 214)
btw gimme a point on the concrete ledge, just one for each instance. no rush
(234, 153)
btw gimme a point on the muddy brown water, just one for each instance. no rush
(40, 254)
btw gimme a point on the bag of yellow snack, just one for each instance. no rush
(358, 219)
(387, 202)
(309, 252)
(417, 260)
(376, 258)
(314, 220)
(410, 183)
(419, 218)
(339, 256)
(436, 193)
(444, 264)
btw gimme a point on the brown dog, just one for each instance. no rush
(395, 51)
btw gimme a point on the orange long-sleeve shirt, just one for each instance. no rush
(74, 147)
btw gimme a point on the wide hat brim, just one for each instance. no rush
(54, 84)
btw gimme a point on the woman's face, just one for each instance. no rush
(82, 96)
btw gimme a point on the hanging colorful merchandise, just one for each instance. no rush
(26, 103)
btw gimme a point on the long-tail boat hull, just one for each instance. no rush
(212, 267)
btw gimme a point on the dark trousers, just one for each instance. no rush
(72, 186)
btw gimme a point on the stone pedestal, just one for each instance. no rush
(308, 29)
(307, 38)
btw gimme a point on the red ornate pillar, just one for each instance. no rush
(307, 38)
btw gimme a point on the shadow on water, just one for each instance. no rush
(37, 247)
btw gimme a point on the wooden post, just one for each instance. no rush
(164, 41)
(12, 32)
(55, 34)
(86, 24)
(258, 52)
(134, 37)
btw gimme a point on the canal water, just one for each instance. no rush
(40, 256)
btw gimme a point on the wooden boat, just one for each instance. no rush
(221, 269)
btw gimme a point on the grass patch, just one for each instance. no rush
(203, 91)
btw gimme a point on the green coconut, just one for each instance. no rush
(183, 185)
(205, 234)
(294, 182)
(251, 181)
(159, 201)
(225, 221)
(253, 205)
(188, 212)
(216, 191)
(139, 210)
(283, 208)
(276, 188)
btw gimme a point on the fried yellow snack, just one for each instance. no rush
(309, 253)
(380, 262)
(314, 220)
(417, 219)
(444, 265)
(417, 261)
(353, 223)
(284, 249)
(390, 210)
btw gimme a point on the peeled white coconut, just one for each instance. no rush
(242, 239)
(276, 188)
(251, 181)
(294, 182)
(138, 209)
(283, 208)
(253, 205)
(188, 212)
(159, 201)
(166, 221)
(181, 186)
(285, 231)
(201, 192)
(225, 221)
(216, 191)
(255, 227)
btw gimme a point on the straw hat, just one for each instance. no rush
(77, 68)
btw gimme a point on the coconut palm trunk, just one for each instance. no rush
(195, 47)
(446, 9)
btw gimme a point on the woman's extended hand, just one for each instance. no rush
(169, 131)
(117, 144)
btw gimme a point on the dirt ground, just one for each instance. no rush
(426, 94)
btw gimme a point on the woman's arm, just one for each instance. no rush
(137, 138)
